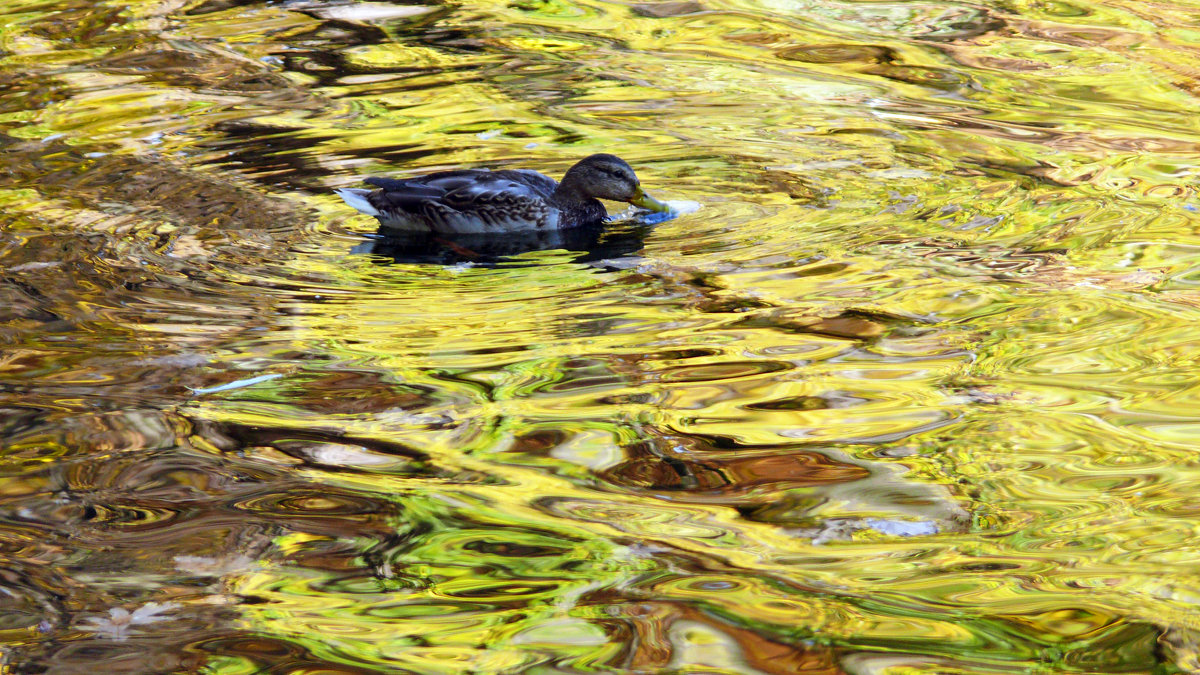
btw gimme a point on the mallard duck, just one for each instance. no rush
(479, 201)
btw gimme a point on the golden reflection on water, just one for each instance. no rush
(911, 393)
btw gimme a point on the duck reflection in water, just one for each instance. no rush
(592, 243)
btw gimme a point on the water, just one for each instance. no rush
(913, 392)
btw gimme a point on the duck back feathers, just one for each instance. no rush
(475, 201)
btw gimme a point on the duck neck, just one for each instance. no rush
(569, 197)
(570, 190)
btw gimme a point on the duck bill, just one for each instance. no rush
(645, 201)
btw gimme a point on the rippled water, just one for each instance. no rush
(914, 392)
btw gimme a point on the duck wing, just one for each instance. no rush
(460, 189)
(472, 200)
(539, 183)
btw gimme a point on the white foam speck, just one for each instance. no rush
(684, 206)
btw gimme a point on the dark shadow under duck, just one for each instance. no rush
(479, 201)
(588, 244)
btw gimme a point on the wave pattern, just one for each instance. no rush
(914, 391)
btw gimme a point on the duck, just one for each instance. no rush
(480, 201)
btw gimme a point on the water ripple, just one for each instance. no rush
(912, 390)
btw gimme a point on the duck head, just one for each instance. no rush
(607, 176)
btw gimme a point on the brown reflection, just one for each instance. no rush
(838, 53)
(658, 633)
(306, 444)
(853, 324)
(164, 654)
(207, 67)
(352, 392)
(275, 655)
(131, 513)
(732, 477)
(784, 485)
(153, 186)
(701, 469)
(792, 403)
(663, 10)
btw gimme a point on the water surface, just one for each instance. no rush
(913, 392)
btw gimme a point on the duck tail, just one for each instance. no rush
(357, 197)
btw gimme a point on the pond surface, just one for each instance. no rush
(917, 390)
